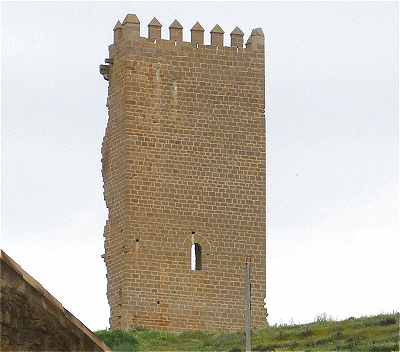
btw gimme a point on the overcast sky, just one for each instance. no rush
(332, 119)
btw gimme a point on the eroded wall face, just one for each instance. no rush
(184, 162)
(29, 322)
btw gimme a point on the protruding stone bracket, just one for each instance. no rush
(105, 71)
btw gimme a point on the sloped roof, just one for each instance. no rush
(217, 29)
(238, 31)
(155, 22)
(131, 18)
(176, 24)
(197, 27)
(52, 300)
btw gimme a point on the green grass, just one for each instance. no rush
(375, 333)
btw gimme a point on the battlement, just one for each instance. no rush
(128, 32)
(127, 36)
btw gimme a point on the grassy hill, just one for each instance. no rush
(375, 333)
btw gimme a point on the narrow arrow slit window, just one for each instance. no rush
(196, 257)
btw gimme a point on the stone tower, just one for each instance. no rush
(183, 163)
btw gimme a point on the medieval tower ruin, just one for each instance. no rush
(183, 163)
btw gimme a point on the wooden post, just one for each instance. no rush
(247, 311)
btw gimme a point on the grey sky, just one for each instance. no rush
(332, 119)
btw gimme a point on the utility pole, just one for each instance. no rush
(247, 311)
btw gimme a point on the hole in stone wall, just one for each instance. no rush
(197, 45)
(137, 240)
(158, 302)
(196, 257)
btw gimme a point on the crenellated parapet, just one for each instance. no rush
(127, 34)
(130, 29)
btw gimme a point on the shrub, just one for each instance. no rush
(387, 321)
(322, 318)
(292, 345)
(124, 347)
(235, 349)
(118, 340)
(324, 340)
(306, 332)
(282, 335)
(263, 348)
(383, 347)
(225, 339)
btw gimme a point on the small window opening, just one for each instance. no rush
(196, 257)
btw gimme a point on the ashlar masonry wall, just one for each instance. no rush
(184, 162)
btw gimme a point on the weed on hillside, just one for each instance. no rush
(369, 334)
